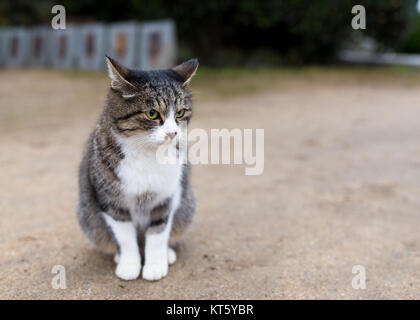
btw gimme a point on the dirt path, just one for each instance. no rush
(340, 188)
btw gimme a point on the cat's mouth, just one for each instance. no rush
(167, 142)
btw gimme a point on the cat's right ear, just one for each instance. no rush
(118, 75)
(185, 71)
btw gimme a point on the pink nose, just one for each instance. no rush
(172, 134)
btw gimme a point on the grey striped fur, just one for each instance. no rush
(99, 185)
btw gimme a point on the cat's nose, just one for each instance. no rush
(171, 135)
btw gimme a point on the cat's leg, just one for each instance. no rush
(129, 260)
(183, 216)
(156, 251)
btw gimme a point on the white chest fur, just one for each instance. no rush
(140, 172)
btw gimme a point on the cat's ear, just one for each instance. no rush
(185, 71)
(118, 75)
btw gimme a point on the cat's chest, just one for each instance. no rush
(142, 174)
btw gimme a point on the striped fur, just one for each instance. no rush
(123, 138)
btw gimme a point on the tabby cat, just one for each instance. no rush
(127, 197)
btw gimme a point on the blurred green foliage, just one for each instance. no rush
(246, 32)
(412, 43)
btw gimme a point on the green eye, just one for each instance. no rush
(180, 113)
(152, 114)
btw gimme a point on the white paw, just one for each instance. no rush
(155, 270)
(171, 255)
(116, 258)
(128, 271)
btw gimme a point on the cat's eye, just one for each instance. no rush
(180, 113)
(152, 114)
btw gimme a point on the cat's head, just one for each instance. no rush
(149, 106)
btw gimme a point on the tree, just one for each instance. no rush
(232, 32)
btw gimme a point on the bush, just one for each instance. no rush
(412, 43)
(238, 32)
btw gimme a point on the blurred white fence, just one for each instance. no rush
(146, 45)
(386, 58)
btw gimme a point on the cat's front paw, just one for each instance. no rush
(155, 270)
(128, 271)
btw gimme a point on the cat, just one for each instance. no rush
(126, 196)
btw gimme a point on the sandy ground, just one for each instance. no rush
(340, 188)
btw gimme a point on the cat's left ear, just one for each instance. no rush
(118, 75)
(185, 71)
